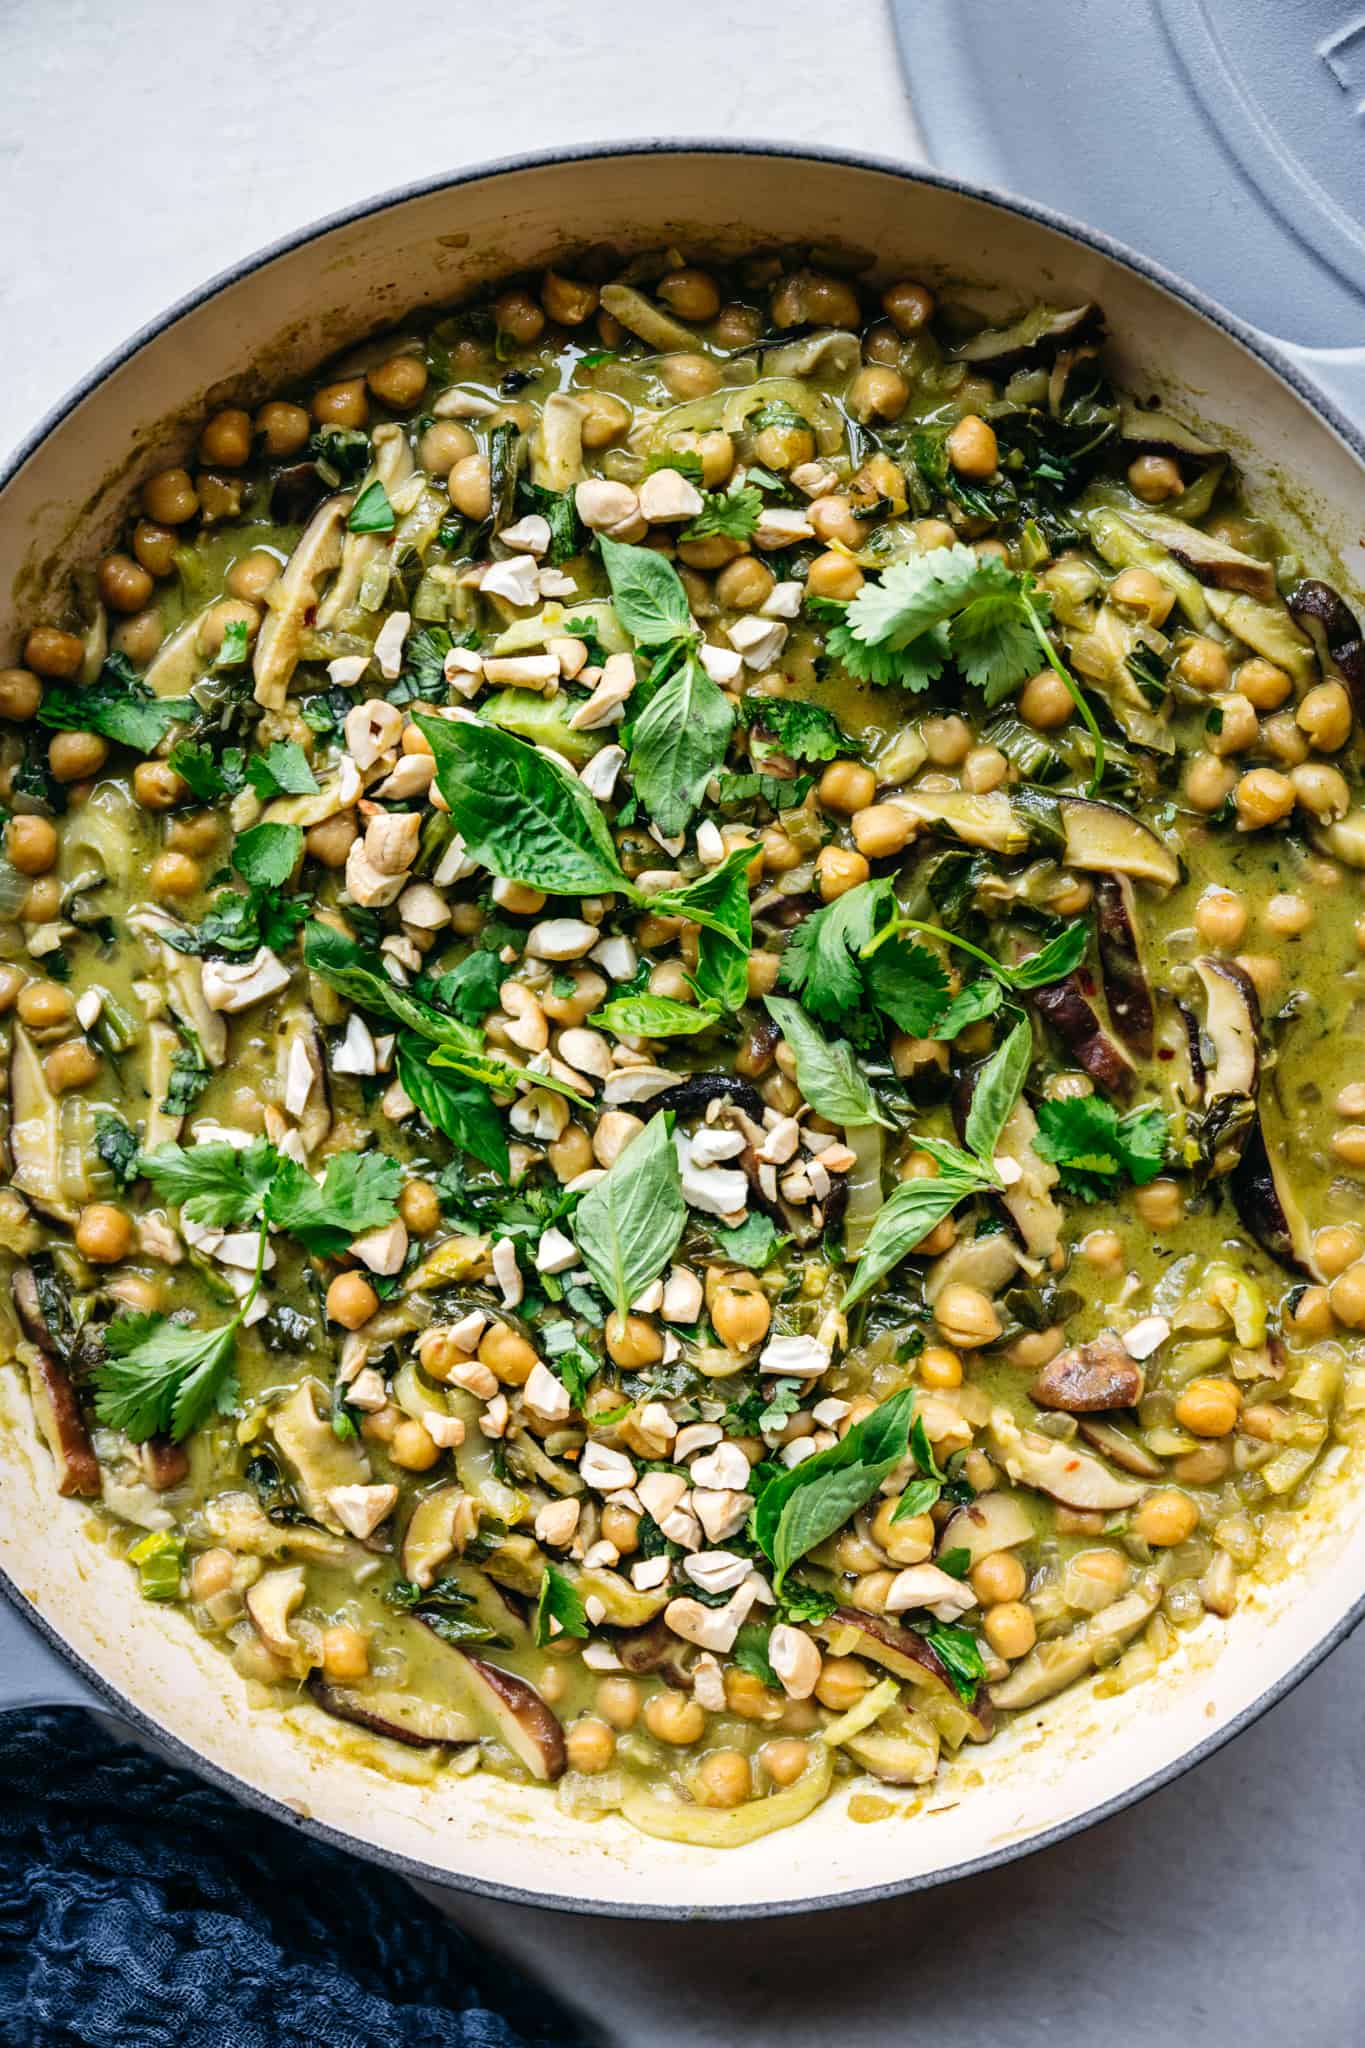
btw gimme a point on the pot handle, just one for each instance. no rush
(1337, 372)
(32, 1673)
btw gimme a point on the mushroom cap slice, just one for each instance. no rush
(271, 1602)
(1070, 1476)
(58, 1415)
(1100, 836)
(517, 1715)
(35, 1134)
(1232, 1022)
(1098, 1375)
(317, 1456)
(402, 1716)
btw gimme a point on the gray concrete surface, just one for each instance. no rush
(142, 148)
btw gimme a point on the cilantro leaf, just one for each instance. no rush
(559, 1610)
(218, 1186)
(358, 1192)
(117, 705)
(807, 732)
(209, 777)
(818, 962)
(995, 646)
(754, 1243)
(232, 651)
(267, 855)
(910, 984)
(734, 514)
(914, 597)
(117, 1146)
(911, 668)
(159, 1377)
(282, 770)
(1095, 1149)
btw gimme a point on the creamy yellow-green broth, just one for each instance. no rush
(680, 966)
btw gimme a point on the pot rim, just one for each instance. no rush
(1266, 350)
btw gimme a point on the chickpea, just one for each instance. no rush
(351, 1300)
(1154, 478)
(157, 787)
(618, 1702)
(470, 486)
(939, 1367)
(1264, 971)
(780, 852)
(284, 429)
(1208, 1407)
(589, 1745)
(1338, 1247)
(1281, 738)
(745, 584)
(605, 418)
(846, 786)
(345, 1652)
(229, 611)
(1045, 702)
(1165, 1518)
(154, 546)
(966, 1316)
(399, 382)
(999, 1580)
(834, 575)
(1010, 1629)
(226, 440)
(12, 983)
(784, 1759)
(748, 1697)
(75, 756)
(691, 294)
(949, 740)
(1288, 915)
(933, 533)
(1349, 1144)
(332, 840)
(104, 1234)
(842, 1683)
(1102, 1248)
(1204, 664)
(50, 652)
(442, 445)
(621, 1527)
(1262, 683)
(1220, 916)
(908, 306)
(1351, 1099)
(31, 843)
(1233, 726)
(972, 447)
(784, 447)
(519, 317)
(832, 518)
(1325, 716)
(1321, 790)
(124, 584)
(1160, 1204)
(507, 1354)
(140, 636)
(633, 1342)
(813, 298)
(419, 1205)
(175, 875)
(1263, 797)
(42, 901)
(984, 769)
(20, 695)
(740, 1311)
(1209, 782)
(168, 499)
(343, 404)
(673, 1717)
(881, 830)
(412, 1447)
(1310, 1318)
(690, 375)
(722, 1779)
(839, 869)
(43, 1005)
(1138, 590)
(909, 1541)
(73, 1065)
(877, 393)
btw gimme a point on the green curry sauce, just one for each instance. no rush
(680, 962)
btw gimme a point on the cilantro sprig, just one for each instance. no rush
(1095, 1150)
(953, 606)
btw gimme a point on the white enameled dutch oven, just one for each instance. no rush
(1051, 1773)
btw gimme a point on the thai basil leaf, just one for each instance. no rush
(826, 1071)
(646, 594)
(628, 1225)
(998, 1087)
(799, 1508)
(678, 744)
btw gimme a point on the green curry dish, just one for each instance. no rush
(683, 1071)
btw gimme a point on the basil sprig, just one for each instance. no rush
(628, 1226)
(799, 1508)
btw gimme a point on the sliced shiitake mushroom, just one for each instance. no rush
(849, 1631)
(1086, 1377)
(1070, 1476)
(1066, 1007)
(518, 1715)
(1126, 988)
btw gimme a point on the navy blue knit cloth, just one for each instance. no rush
(140, 1909)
